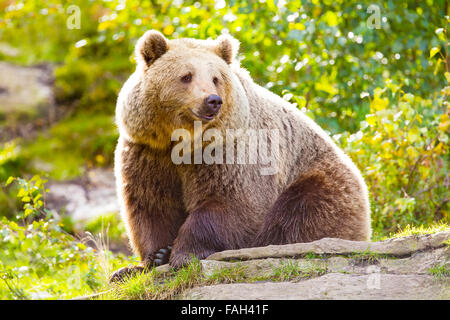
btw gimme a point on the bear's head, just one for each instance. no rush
(178, 82)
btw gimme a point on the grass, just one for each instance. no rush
(291, 271)
(236, 273)
(153, 285)
(367, 257)
(440, 270)
(156, 286)
(420, 230)
(312, 255)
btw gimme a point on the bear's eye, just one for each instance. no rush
(186, 78)
(215, 81)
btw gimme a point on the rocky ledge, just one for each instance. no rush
(414, 267)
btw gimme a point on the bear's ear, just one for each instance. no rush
(227, 48)
(150, 47)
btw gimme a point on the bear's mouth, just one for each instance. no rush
(206, 117)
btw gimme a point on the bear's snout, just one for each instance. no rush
(211, 106)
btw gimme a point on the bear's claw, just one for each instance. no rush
(124, 273)
(160, 257)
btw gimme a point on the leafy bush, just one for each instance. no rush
(326, 52)
(402, 149)
(38, 259)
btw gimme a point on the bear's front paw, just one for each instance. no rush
(158, 258)
(125, 273)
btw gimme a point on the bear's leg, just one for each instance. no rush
(211, 228)
(152, 229)
(322, 203)
(152, 207)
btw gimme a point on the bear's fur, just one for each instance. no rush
(200, 209)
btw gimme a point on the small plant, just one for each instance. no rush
(366, 257)
(32, 194)
(11, 279)
(440, 270)
(312, 255)
(236, 273)
(290, 270)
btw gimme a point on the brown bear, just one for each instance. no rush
(174, 210)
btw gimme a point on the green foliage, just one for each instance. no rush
(402, 149)
(38, 259)
(383, 83)
(381, 92)
(326, 53)
(72, 146)
(32, 194)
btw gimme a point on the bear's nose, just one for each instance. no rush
(213, 103)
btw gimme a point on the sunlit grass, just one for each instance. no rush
(410, 230)
(171, 285)
(153, 285)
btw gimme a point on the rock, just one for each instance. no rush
(418, 263)
(85, 199)
(26, 93)
(398, 247)
(330, 286)
(165, 268)
(261, 268)
(337, 269)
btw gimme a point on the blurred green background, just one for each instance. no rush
(374, 75)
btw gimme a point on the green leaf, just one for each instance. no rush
(10, 180)
(28, 212)
(433, 51)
